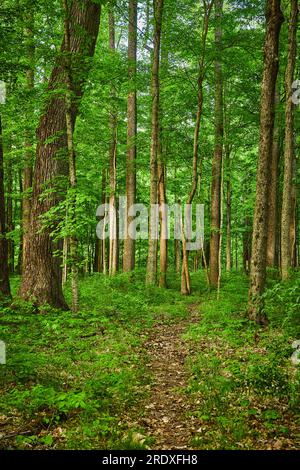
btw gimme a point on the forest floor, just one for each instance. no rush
(144, 368)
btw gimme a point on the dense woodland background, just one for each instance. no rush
(170, 102)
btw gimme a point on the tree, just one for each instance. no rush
(41, 277)
(185, 275)
(289, 150)
(129, 244)
(274, 19)
(4, 271)
(155, 92)
(218, 154)
(113, 126)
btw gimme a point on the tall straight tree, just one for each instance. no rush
(218, 153)
(4, 270)
(289, 150)
(274, 20)
(155, 92)
(28, 164)
(185, 274)
(129, 244)
(113, 125)
(41, 279)
(71, 197)
(273, 192)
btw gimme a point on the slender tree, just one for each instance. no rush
(185, 274)
(129, 244)
(113, 126)
(274, 20)
(289, 150)
(4, 270)
(155, 93)
(218, 153)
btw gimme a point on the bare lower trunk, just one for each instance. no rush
(4, 272)
(289, 150)
(163, 225)
(129, 243)
(259, 242)
(273, 196)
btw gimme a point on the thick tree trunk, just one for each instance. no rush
(289, 150)
(41, 280)
(129, 243)
(274, 19)
(4, 272)
(218, 155)
(155, 92)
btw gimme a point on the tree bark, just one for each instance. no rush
(28, 157)
(273, 197)
(129, 243)
(155, 93)
(218, 154)
(274, 20)
(41, 280)
(113, 124)
(289, 150)
(4, 271)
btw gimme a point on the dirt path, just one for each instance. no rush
(165, 416)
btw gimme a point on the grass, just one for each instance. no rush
(79, 381)
(241, 376)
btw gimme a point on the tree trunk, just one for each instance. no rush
(155, 92)
(113, 239)
(4, 272)
(129, 243)
(163, 223)
(41, 280)
(71, 208)
(274, 20)
(289, 150)
(10, 218)
(218, 155)
(28, 163)
(273, 197)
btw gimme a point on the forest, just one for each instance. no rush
(149, 225)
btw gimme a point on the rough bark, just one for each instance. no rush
(155, 93)
(4, 271)
(41, 280)
(274, 20)
(218, 154)
(129, 243)
(289, 150)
